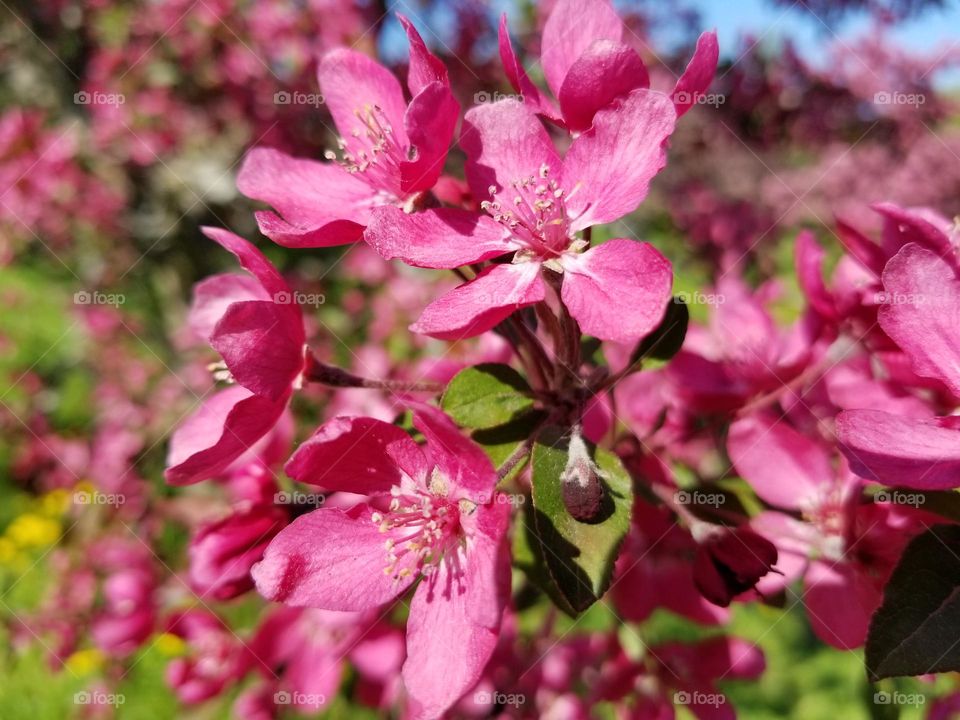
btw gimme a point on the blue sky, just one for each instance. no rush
(934, 30)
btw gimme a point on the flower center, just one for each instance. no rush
(538, 216)
(375, 151)
(423, 528)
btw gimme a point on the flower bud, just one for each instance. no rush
(580, 482)
(731, 561)
(222, 553)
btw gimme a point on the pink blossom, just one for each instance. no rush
(431, 514)
(260, 337)
(309, 649)
(741, 352)
(128, 614)
(215, 656)
(844, 551)
(222, 553)
(538, 203)
(393, 151)
(587, 65)
(654, 570)
(924, 301)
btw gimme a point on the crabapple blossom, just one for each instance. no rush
(537, 204)
(393, 151)
(430, 515)
(260, 336)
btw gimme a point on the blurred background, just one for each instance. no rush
(122, 125)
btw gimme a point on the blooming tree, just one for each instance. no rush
(526, 434)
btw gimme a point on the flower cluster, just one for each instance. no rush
(521, 407)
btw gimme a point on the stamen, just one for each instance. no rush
(538, 217)
(422, 530)
(380, 160)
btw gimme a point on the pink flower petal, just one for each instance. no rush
(922, 312)
(721, 657)
(572, 27)
(321, 203)
(379, 654)
(224, 427)
(314, 677)
(488, 567)
(605, 71)
(698, 74)
(351, 81)
(431, 120)
(327, 234)
(441, 238)
(866, 252)
(329, 559)
(251, 260)
(904, 226)
(784, 467)
(917, 453)
(520, 81)
(601, 185)
(221, 553)
(618, 290)
(809, 258)
(504, 142)
(444, 642)
(794, 540)
(477, 306)
(358, 455)
(839, 604)
(460, 460)
(261, 343)
(425, 67)
(213, 295)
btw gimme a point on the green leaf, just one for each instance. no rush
(579, 556)
(915, 630)
(487, 395)
(527, 557)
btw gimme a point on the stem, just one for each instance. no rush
(568, 352)
(539, 360)
(331, 376)
(517, 456)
